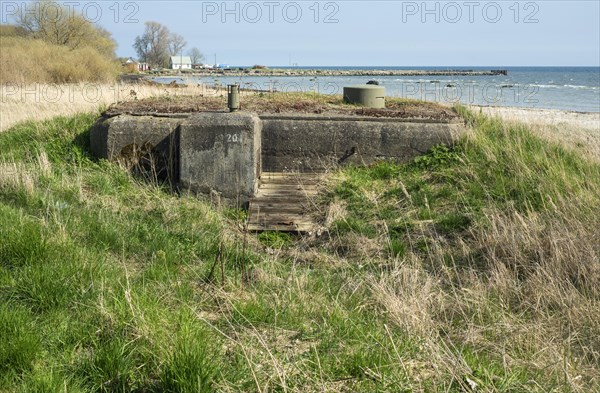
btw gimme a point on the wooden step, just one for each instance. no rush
(302, 179)
(282, 202)
(287, 187)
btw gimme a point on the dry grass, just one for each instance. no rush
(282, 102)
(534, 307)
(25, 60)
(508, 302)
(22, 102)
(573, 129)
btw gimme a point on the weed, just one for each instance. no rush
(275, 239)
(438, 156)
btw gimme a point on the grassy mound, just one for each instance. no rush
(487, 251)
(472, 266)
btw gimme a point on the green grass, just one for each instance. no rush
(454, 269)
(448, 190)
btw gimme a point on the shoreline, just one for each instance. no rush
(549, 116)
(576, 130)
(322, 72)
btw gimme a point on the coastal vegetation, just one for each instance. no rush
(471, 268)
(22, 101)
(27, 61)
(51, 44)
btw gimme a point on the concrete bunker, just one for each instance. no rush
(226, 153)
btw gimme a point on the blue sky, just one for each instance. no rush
(369, 33)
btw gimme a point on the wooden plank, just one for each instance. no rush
(286, 177)
(294, 206)
(278, 220)
(292, 190)
(273, 204)
(291, 208)
(270, 202)
(283, 193)
(282, 219)
(288, 187)
(282, 202)
(293, 180)
(282, 216)
(281, 228)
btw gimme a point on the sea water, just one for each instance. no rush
(567, 88)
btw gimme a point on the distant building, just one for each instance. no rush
(180, 63)
(132, 65)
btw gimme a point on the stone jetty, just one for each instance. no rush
(332, 72)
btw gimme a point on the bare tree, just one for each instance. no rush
(195, 55)
(176, 44)
(153, 45)
(52, 22)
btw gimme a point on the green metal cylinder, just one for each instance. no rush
(370, 96)
(233, 97)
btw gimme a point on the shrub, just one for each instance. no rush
(25, 60)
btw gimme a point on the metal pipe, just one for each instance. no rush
(233, 97)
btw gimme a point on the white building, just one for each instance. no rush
(180, 63)
(132, 65)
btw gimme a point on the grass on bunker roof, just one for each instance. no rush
(281, 102)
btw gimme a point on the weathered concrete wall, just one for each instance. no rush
(146, 144)
(315, 143)
(221, 152)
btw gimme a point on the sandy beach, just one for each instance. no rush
(580, 130)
